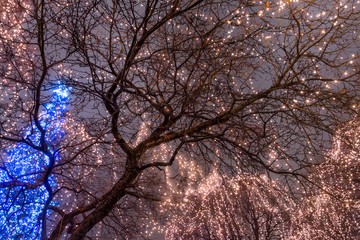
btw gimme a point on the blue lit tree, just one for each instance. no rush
(25, 173)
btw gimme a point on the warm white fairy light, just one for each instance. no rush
(279, 32)
(219, 208)
(333, 211)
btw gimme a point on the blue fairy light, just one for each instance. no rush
(20, 206)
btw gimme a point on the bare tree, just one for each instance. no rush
(162, 90)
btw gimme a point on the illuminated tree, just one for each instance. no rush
(245, 207)
(161, 91)
(333, 210)
(253, 207)
(21, 204)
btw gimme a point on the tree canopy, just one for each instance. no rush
(159, 95)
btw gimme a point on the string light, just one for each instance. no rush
(22, 205)
(243, 49)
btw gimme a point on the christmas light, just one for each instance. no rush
(21, 206)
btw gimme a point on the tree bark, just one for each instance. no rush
(114, 195)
